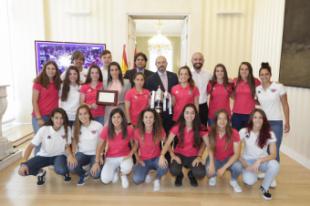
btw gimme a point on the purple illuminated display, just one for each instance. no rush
(61, 53)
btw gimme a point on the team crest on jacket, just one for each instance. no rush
(273, 90)
(49, 137)
(93, 131)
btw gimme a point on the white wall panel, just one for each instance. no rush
(227, 33)
(267, 42)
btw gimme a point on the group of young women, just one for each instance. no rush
(115, 141)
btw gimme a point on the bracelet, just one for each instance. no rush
(39, 118)
(23, 163)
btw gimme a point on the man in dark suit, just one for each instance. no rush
(165, 80)
(140, 60)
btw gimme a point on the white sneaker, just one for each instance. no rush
(115, 178)
(156, 185)
(148, 179)
(125, 183)
(261, 175)
(274, 184)
(235, 186)
(212, 181)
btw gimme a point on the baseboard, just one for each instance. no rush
(10, 159)
(295, 156)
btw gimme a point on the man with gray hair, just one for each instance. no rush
(165, 80)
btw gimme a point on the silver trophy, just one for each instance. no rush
(160, 101)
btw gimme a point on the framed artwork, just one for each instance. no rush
(295, 57)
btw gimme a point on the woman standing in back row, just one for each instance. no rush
(116, 82)
(273, 99)
(184, 93)
(220, 91)
(45, 94)
(70, 93)
(136, 99)
(244, 96)
(89, 92)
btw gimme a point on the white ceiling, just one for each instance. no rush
(149, 27)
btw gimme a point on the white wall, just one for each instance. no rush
(105, 21)
(6, 75)
(77, 21)
(267, 42)
(24, 25)
(222, 37)
(267, 35)
(227, 33)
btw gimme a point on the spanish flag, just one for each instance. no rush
(124, 64)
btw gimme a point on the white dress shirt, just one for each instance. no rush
(201, 79)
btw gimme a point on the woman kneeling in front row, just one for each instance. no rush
(148, 135)
(257, 138)
(223, 143)
(189, 147)
(55, 140)
(117, 136)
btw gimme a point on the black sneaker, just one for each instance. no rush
(192, 179)
(67, 178)
(265, 194)
(41, 177)
(81, 181)
(178, 180)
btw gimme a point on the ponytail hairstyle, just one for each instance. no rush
(64, 117)
(266, 66)
(157, 125)
(196, 125)
(78, 123)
